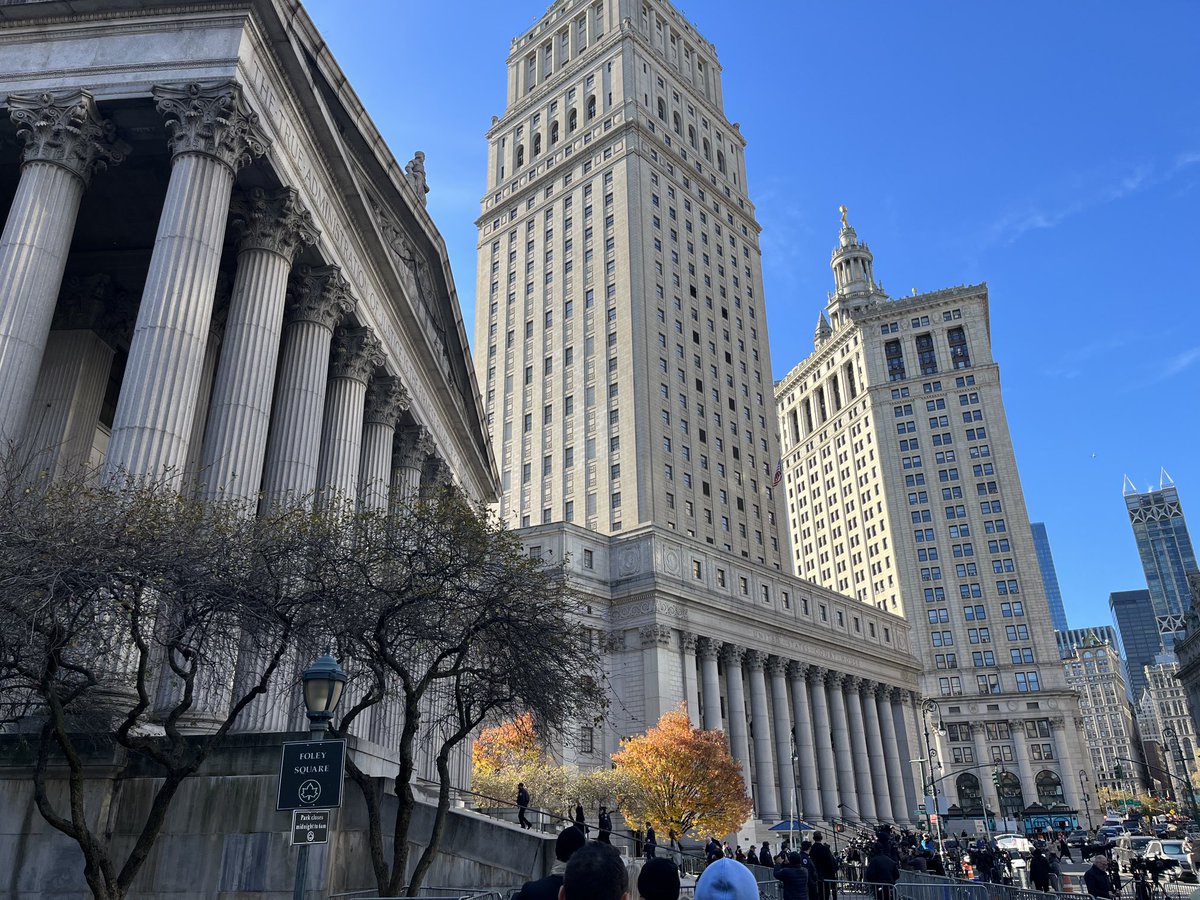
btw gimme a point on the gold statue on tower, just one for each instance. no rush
(842, 210)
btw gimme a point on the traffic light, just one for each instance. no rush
(1119, 773)
(839, 827)
(996, 779)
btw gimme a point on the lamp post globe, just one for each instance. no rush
(324, 681)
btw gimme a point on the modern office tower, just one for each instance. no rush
(1166, 552)
(1094, 669)
(1041, 545)
(902, 490)
(1137, 627)
(621, 342)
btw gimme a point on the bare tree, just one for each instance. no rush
(125, 607)
(441, 603)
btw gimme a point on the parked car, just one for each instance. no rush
(1107, 834)
(1130, 846)
(1014, 843)
(1177, 850)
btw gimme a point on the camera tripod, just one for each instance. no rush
(1149, 888)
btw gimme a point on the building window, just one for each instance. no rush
(926, 357)
(895, 360)
(960, 356)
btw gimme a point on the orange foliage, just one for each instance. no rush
(681, 778)
(509, 745)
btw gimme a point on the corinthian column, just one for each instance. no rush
(65, 142)
(871, 725)
(710, 683)
(735, 698)
(357, 353)
(764, 765)
(900, 700)
(386, 403)
(893, 758)
(781, 721)
(823, 738)
(413, 446)
(806, 751)
(212, 135)
(842, 750)
(691, 690)
(858, 749)
(318, 298)
(274, 226)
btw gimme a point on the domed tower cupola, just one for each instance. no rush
(853, 273)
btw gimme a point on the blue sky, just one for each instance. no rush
(1050, 149)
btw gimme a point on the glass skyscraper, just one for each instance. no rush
(1041, 546)
(1133, 611)
(1166, 551)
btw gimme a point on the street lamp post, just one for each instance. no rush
(931, 708)
(324, 681)
(1086, 799)
(1180, 764)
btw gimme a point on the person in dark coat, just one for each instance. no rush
(569, 840)
(659, 880)
(580, 821)
(522, 806)
(764, 856)
(604, 823)
(1096, 878)
(826, 865)
(882, 871)
(1039, 870)
(650, 845)
(793, 875)
(712, 850)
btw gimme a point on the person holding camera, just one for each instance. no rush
(1097, 880)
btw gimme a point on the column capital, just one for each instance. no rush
(275, 221)
(836, 679)
(756, 660)
(688, 641)
(818, 674)
(732, 654)
(655, 636)
(65, 129)
(798, 671)
(211, 119)
(319, 294)
(777, 666)
(707, 648)
(356, 354)
(413, 446)
(387, 401)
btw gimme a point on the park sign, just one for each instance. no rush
(310, 826)
(310, 775)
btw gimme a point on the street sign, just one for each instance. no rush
(310, 826)
(921, 808)
(980, 828)
(310, 775)
(933, 818)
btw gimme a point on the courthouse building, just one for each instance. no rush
(621, 344)
(902, 491)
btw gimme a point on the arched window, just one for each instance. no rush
(1049, 788)
(572, 120)
(969, 796)
(692, 136)
(537, 146)
(721, 162)
(662, 109)
(1012, 800)
(520, 155)
(707, 150)
(591, 107)
(553, 133)
(677, 123)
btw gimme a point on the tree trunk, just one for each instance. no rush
(406, 800)
(439, 826)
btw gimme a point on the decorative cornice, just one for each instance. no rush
(65, 130)
(319, 294)
(274, 221)
(387, 401)
(655, 636)
(356, 354)
(211, 119)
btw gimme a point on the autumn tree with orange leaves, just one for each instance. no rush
(681, 778)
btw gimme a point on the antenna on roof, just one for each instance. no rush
(1164, 479)
(1128, 486)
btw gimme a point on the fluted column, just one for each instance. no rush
(691, 690)
(823, 738)
(858, 750)
(781, 726)
(65, 142)
(274, 226)
(735, 703)
(1069, 762)
(208, 372)
(414, 444)
(871, 725)
(710, 682)
(318, 298)
(1024, 763)
(893, 758)
(357, 353)
(213, 134)
(806, 752)
(842, 749)
(387, 401)
(766, 794)
(900, 701)
(979, 742)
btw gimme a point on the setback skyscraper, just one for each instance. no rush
(621, 341)
(903, 491)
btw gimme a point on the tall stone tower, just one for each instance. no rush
(621, 343)
(902, 491)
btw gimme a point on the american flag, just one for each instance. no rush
(778, 474)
